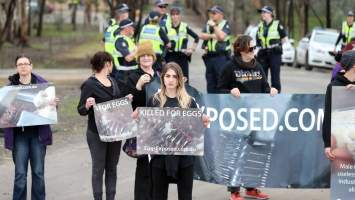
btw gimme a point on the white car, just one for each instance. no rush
(313, 50)
(288, 52)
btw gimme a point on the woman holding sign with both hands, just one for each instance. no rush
(243, 74)
(165, 168)
(98, 88)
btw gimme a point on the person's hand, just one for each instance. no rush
(211, 23)
(145, 78)
(89, 102)
(130, 97)
(189, 51)
(205, 120)
(235, 92)
(329, 153)
(350, 86)
(135, 114)
(273, 92)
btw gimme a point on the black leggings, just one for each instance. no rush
(105, 156)
(142, 184)
(161, 183)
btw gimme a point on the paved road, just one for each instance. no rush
(68, 166)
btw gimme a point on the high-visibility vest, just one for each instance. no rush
(213, 45)
(348, 31)
(273, 34)
(110, 38)
(151, 32)
(179, 38)
(168, 22)
(117, 55)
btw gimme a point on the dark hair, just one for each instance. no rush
(99, 59)
(242, 44)
(22, 56)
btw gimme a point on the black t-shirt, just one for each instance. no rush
(171, 162)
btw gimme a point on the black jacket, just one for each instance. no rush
(139, 97)
(339, 80)
(93, 88)
(249, 78)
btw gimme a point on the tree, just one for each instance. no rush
(23, 40)
(40, 18)
(8, 20)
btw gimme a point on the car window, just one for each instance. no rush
(323, 37)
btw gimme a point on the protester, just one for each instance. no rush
(347, 79)
(98, 88)
(136, 84)
(177, 168)
(243, 74)
(28, 144)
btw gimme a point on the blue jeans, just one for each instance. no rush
(27, 147)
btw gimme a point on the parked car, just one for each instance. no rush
(288, 52)
(314, 49)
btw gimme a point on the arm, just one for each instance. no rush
(340, 37)
(326, 130)
(122, 47)
(164, 37)
(283, 34)
(86, 92)
(193, 35)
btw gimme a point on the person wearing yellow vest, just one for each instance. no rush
(125, 50)
(161, 7)
(178, 34)
(158, 37)
(347, 34)
(269, 38)
(217, 33)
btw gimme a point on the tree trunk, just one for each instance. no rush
(29, 17)
(8, 21)
(306, 17)
(23, 41)
(40, 18)
(328, 17)
(73, 16)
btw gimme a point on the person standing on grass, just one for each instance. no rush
(28, 144)
(98, 88)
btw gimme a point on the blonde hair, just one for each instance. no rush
(184, 99)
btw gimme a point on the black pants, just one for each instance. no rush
(181, 59)
(142, 185)
(214, 68)
(105, 156)
(272, 61)
(161, 183)
(237, 189)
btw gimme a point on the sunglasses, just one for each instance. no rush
(251, 49)
(162, 6)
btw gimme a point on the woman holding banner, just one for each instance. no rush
(165, 168)
(136, 83)
(28, 144)
(243, 74)
(98, 88)
(347, 79)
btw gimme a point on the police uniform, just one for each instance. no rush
(179, 42)
(268, 38)
(347, 34)
(123, 47)
(218, 54)
(158, 37)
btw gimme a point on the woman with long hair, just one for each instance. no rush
(98, 88)
(165, 168)
(28, 144)
(243, 74)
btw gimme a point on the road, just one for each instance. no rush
(68, 167)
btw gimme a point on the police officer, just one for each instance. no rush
(270, 36)
(178, 34)
(110, 33)
(347, 33)
(161, 7)
(154, 33)
(125, 50)
(217, 33)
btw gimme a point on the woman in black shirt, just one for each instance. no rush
(165, 168)
(98, 88)
(243, 74)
